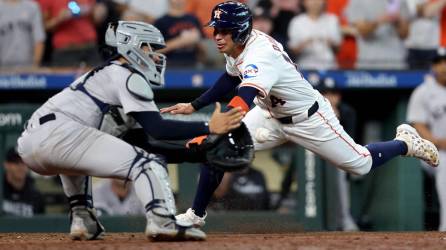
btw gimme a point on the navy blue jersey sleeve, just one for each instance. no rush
(163, 129)
(248, 94)
(222, 86)
(244, 98)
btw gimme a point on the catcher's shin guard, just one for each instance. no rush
(152, 186)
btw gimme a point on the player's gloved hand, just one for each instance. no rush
(179, 108)
(221, 123)
(232, 151)
(228, 152)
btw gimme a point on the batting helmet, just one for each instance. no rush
(129, 37)
(234, 16)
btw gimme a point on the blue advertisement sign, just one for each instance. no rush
(186, 79)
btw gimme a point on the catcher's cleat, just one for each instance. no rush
(190, 218)
(160, 228)
(417, 146)
(85, 225)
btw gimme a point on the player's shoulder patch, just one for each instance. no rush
(250, 71)
(139, 87)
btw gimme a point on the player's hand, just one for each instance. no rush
(221, 123)
(179, 108)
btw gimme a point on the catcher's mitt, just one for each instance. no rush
(230, 152)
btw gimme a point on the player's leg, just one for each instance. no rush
(83, 219)
(210, 177)
(323, 134)
(440, 182)
(148, 173)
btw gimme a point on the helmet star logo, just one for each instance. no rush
(217, 13)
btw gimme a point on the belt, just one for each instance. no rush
(300, 117)
(47, 118)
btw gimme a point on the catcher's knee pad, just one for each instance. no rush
(149, 171)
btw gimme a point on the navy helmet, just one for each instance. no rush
(232, 16)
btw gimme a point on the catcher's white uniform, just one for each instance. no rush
(283, 92)
(62, 137)
(72, 143)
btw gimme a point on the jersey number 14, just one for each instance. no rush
(276, 101)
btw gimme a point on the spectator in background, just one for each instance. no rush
(347, 52)
(427, 113)
(314, 36)
(261, 20)
(281, 11)
(182, 33)
(20, 196)
(437, 8)
(424, 35)
(243, 190)
(116, 197)
(72, 24)
(201, 10)
(381, 26)
(22, 34)
(145, 10)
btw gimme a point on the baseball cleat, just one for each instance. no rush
(190, 218)
(417, 146)
(85, 225)
(169, 230)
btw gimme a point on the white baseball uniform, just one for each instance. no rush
(427, 105)
(283, 92)
(71, 145)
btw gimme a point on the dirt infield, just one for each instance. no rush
(300, 241)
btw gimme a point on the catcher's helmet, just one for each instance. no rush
(129, 37)
(234, 16)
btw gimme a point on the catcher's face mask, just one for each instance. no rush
(137, 42)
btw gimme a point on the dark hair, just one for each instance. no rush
(12, 156)
(107, 52)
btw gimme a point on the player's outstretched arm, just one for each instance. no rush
(179, 108)
(225, 84)
(164, 129)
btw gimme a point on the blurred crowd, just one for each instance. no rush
(318, 34)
